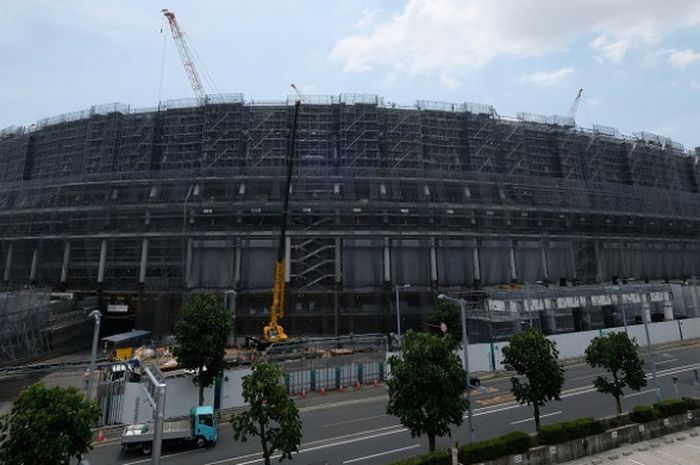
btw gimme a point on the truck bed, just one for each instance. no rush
(143, 432)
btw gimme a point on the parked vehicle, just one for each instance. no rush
(198, 431)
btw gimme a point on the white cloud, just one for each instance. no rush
(682, 58)
(453, 37)
(548, 79)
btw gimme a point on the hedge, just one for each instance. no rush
(516, 442)
(692, 403)
(438, 457)
(644, 413)
(671, 407)
(568, 430)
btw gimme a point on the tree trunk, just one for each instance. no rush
(263, 443)
(201, 395)
(619, 404)
(537, 417)
(431, 442)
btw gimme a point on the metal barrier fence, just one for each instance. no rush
(110, 399)
(330, 363)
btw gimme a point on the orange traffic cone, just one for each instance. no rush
(340, 388)
(322, 391)
(358, 385)
(376, 383)
(100, 436)
(303, 393)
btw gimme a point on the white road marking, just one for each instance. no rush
(667, 361)
(381, 453)
(398, 429)
(636, 462)
(689, 445)
(679, 460)
(532, 419)
(354, 421)
(640, 393)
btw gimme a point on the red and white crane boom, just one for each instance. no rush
(186, 54)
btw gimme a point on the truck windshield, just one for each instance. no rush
(206, 420)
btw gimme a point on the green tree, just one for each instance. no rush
(427, 386)
(272, 415)
(47, 426)
(534, 356)
(449, 313)
(619, 355)
(202, 332)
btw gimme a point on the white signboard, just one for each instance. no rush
(118, 308)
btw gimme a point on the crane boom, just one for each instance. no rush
(185, 54)
(574, 105)
(273, 331)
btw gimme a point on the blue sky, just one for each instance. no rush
(638, 61)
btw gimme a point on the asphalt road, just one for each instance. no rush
(357, 431)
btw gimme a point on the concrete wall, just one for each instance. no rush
(572, 345)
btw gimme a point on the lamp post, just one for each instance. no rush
(465, 346)
(93, 354)
(645, 318)
(398, 311)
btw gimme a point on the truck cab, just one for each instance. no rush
(204, 423)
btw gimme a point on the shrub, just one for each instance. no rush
(692, 403)
(516, 442)
(644, 413)
(671, 407)
(568, 430)
(438, 457)
(616, 421)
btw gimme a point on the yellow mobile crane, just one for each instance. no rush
(273, 331)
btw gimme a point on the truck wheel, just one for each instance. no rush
(200, 442)
(146, 448)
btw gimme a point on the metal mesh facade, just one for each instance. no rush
(145, 207)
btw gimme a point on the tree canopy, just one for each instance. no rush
(427, 386)
(272, 416)
(619, 355)
(47, 426)
(202, 332)
(534, 356)
(449, 313)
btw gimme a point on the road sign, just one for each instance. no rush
(443, 327)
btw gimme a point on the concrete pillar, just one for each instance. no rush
(572, 257)
(598, 261)
(586, 310)
(8, 263)
(237, 265)
(287, 259)
(188, 262)
(387, 260)
(144, 261)
(646, 311)
(66, 261)
(668, 310)
(513, 268)
(35, 264)
(476, 260)
(103, 262)
(543, 258)
(623, 260)
(433, 261)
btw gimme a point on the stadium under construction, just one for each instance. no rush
(533, 220)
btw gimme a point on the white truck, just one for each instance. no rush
(199, 430)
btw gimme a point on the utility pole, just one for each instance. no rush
(465, 346)
(93, 354)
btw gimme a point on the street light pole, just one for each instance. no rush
(645, 318)
(398, 311)
(465, 347)
(93, 354)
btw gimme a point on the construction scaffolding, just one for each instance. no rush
(147, 206)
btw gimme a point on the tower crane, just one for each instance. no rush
(574, 105)
(186, 54)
